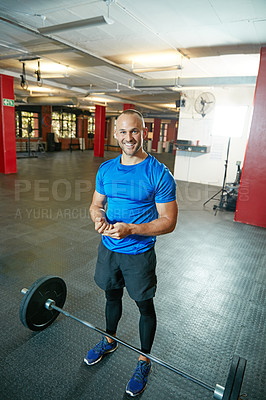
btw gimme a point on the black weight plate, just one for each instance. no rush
(231, 378)
(33, 313)
(238, 379)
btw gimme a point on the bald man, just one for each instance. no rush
(134, 201)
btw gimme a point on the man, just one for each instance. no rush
(134, 201)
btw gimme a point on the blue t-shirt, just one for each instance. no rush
(132, 191)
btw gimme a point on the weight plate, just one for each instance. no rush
(235, 379)
(33, 313)
(238, 379)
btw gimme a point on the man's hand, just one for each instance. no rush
(118, 231)
(101, 224)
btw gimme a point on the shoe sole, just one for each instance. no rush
(99, 359)
(137, 394)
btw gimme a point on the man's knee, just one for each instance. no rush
(146, 307)
(114, 294)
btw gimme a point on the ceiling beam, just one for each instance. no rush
(34, 54)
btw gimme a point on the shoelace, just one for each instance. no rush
(100, 346)
(140, 372)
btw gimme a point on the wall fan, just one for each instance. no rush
(204, 103)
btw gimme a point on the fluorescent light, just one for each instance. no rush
(82, 23)
(157, 69)
(158, 59)
(99, 99)
(40, 89)
(169, 105)
(48, 67)
(176, 88)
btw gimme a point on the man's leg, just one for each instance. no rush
(113, 310)
(113, 314)
(147, 326)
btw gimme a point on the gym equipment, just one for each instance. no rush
(42, 304)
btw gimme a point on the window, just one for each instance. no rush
(17, 123)
(91, 127)
(163, 132)
(65, 124)
(27, 124)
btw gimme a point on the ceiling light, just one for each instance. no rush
(40, 89)
(93, 92)
(158, 59)
(157, 69)
(98, 99)
(83, 23)
(97, 92)
(169, 105)
(176, 88)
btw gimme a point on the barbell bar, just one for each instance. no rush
(43, 302)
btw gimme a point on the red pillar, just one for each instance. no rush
(156, 133)
(127, 106)
(99, 131)
(250, 207)
(172, 131)
(8, 156)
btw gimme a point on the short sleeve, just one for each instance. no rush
(166, 188)
(99, 182)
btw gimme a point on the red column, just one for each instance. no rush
(250, 207)
(172, 131)
(8, 156)
(99, 131)
(127, 106)
(156, 133)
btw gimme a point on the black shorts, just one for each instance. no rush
(136, 272)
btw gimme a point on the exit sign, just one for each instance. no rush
(8, 102)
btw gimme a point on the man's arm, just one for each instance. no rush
(164, 224)
(97, 212)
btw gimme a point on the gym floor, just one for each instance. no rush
(210, 297)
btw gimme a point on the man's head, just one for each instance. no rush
(130, 131)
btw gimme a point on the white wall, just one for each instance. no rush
(209, 168)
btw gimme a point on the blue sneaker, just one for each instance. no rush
(138, 382)
(96, 354)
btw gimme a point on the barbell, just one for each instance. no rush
(43, 302)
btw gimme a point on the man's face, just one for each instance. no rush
(129, 133)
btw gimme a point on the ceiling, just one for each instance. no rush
(152, 51)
